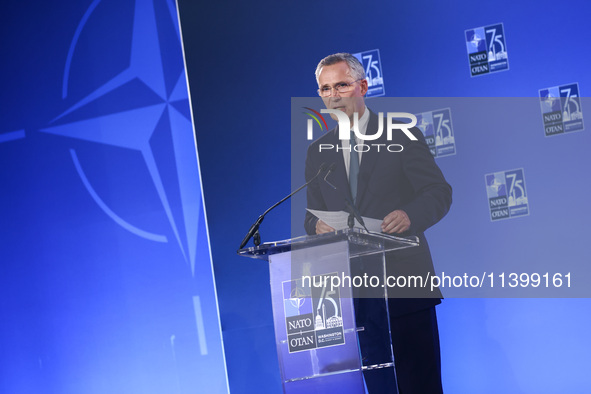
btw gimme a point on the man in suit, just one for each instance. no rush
(399, 183)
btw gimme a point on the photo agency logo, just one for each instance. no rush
(392, 123)
(487, 51)
(373, 72)
(438, 131)
(316, 116)
(561, 109)
(507, 197)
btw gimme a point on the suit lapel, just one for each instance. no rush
(338, 176)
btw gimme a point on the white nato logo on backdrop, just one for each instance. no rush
(12, 136)
(156, 65)
(438, 131)
(373, 72)
(133, 129)
(507, 196)
(561, 108)
(487, 49)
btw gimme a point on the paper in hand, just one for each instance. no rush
(339, 220)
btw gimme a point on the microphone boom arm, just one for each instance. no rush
(255, 226)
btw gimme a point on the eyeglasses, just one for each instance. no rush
(341, 87)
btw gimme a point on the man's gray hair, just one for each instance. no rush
(355, 66)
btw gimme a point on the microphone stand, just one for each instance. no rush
(253, 232)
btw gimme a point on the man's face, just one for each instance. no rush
(348, 102)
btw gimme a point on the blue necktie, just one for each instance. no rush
(353, 166)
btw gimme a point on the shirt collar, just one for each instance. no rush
(363, 121)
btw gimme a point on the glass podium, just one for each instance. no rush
(330, 310)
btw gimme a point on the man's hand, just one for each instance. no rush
(322, 227)
(395, 222)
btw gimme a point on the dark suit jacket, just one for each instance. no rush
(409, 180)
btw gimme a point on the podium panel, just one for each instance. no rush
(331, 331)
(314, 325)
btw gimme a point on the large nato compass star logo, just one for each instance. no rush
(153, 34)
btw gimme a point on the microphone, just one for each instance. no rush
(254, 229)
(348, 203)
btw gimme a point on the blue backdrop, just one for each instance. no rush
(248, 59)
(105, 276)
